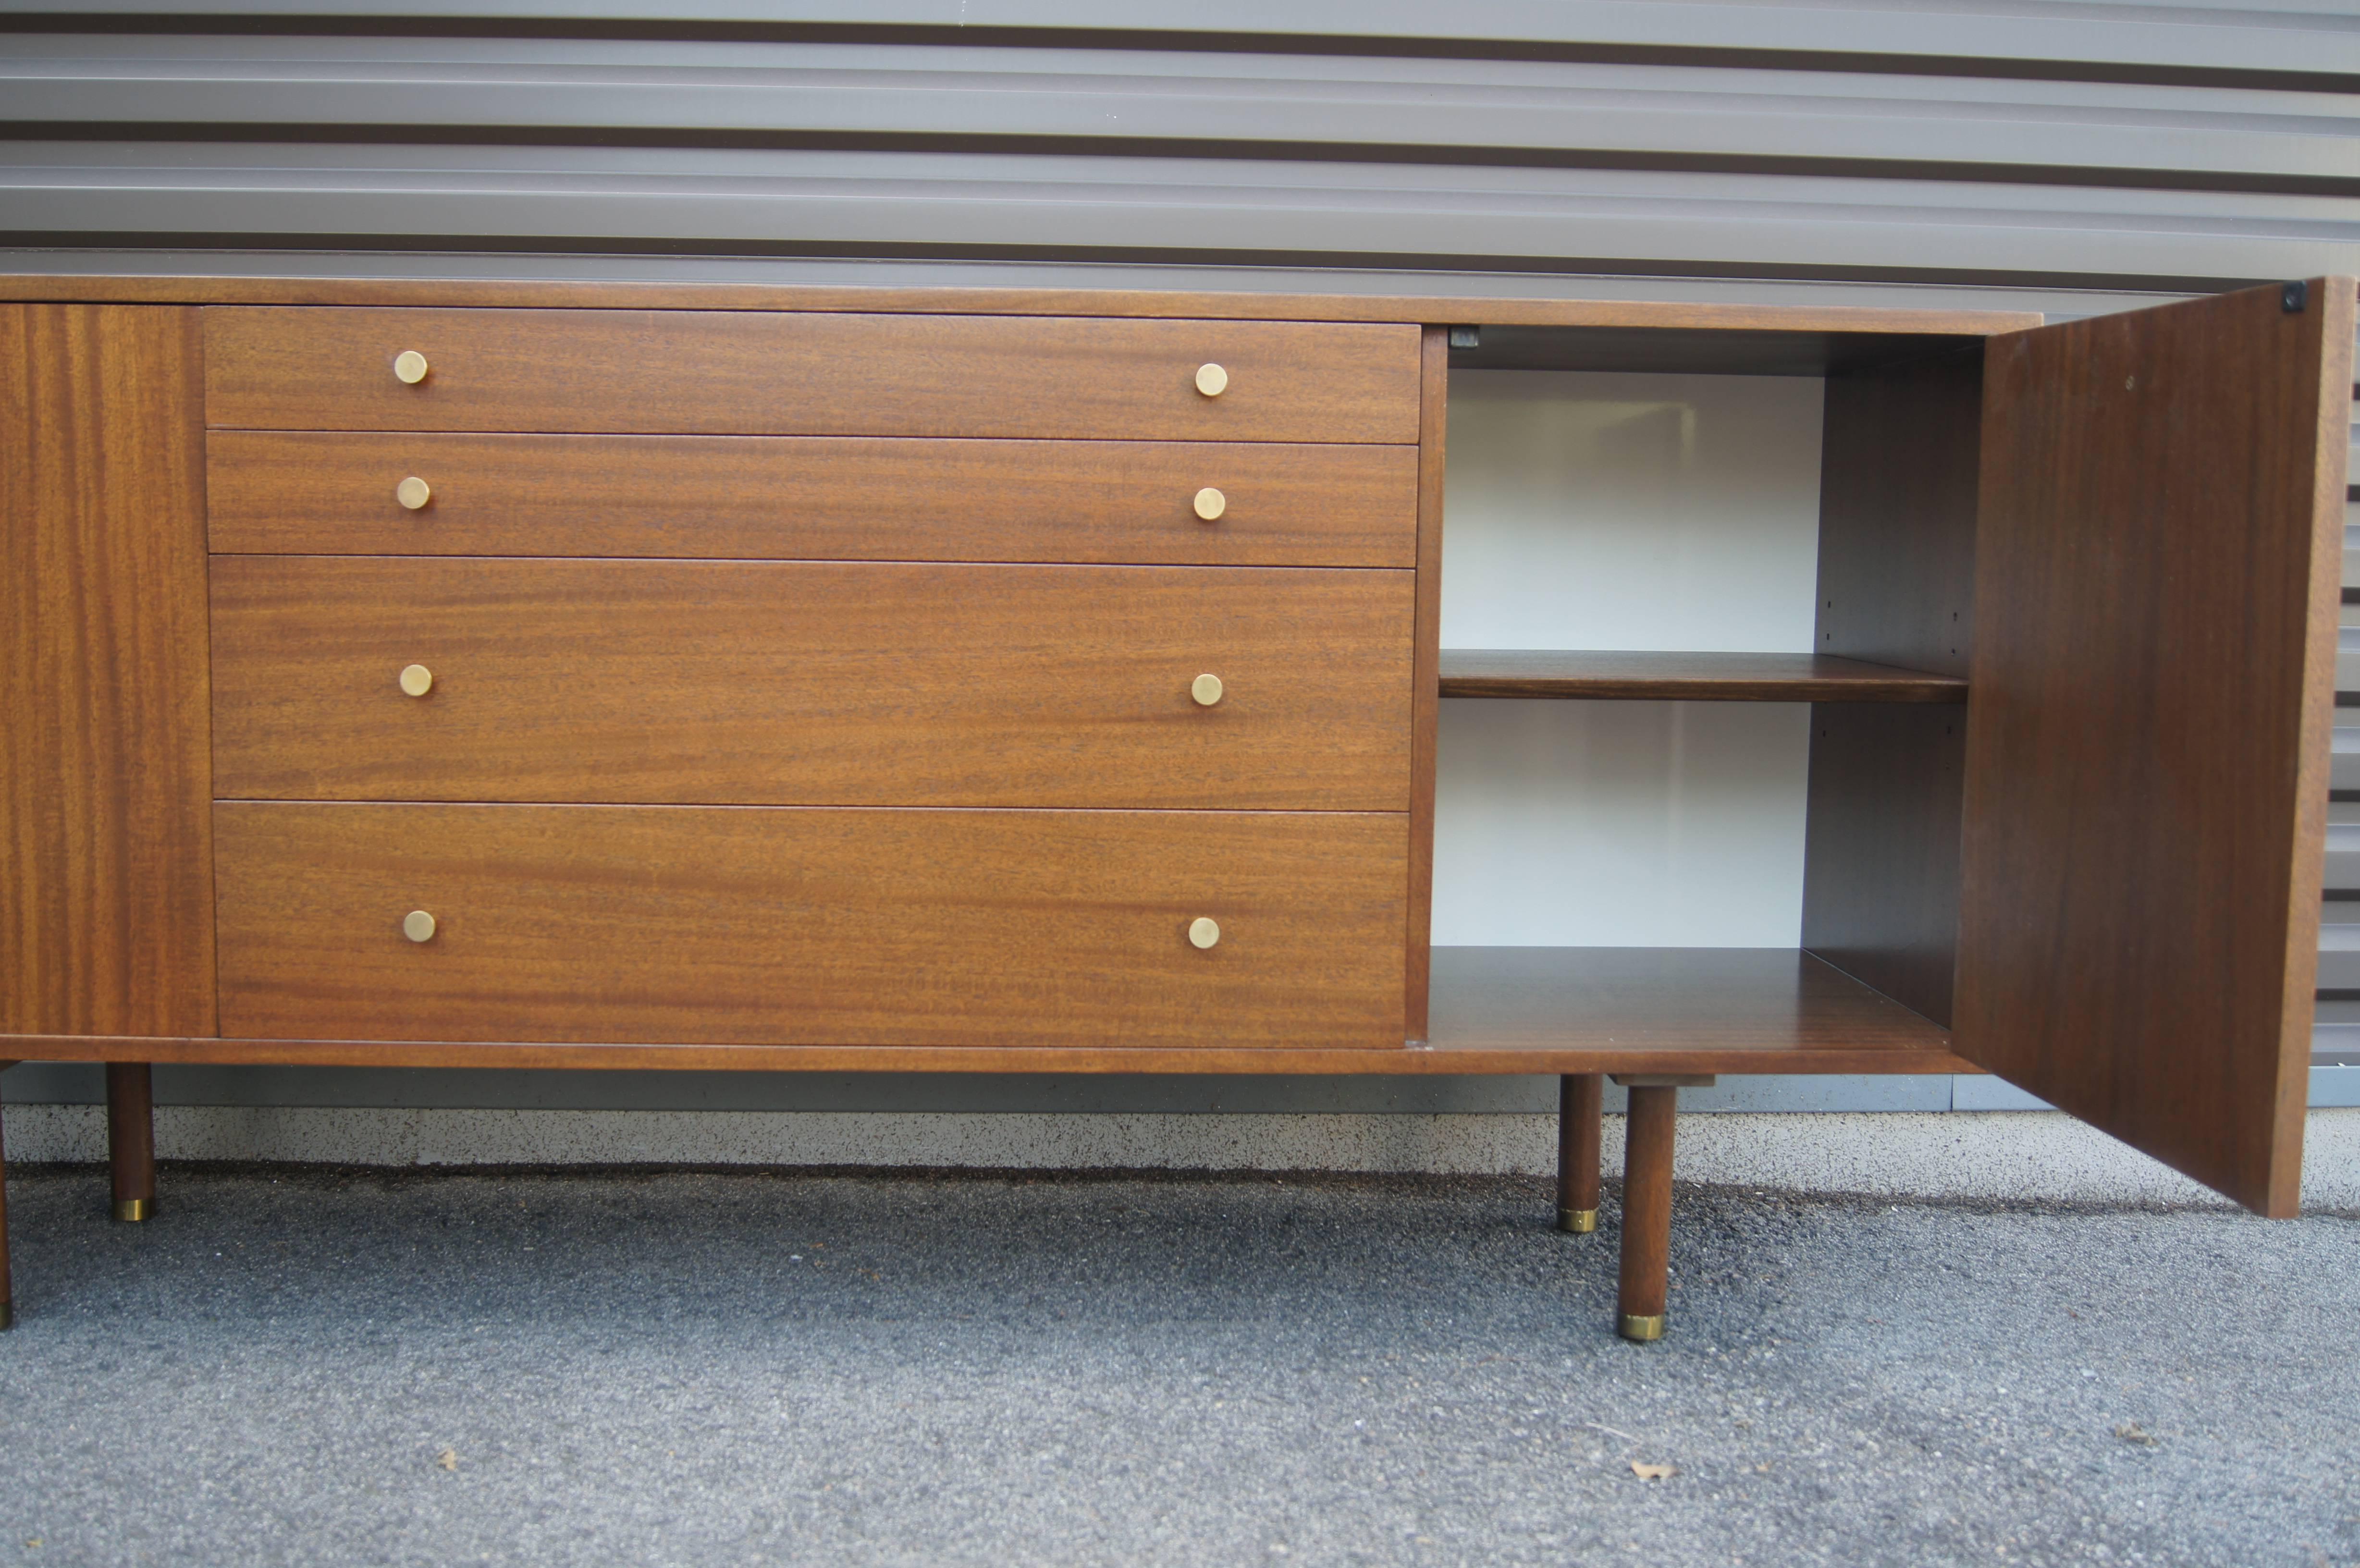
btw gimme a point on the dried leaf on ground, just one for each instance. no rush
(448, 1459)
(2131, 1432)
(1653, 1472)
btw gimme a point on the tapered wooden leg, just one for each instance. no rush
(1581, 1101)
(131, 1138)
(1646, 1211)
(7, 1300)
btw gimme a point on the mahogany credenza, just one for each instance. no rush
(650, 676)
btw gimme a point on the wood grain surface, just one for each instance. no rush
(1688, 677)
(1642, 1278)
(131, 1132)
(1434, 406)
(697, 924)
(1898, 470)
(810, 497)
(1580, 1108)
(2155, 586)
(1684, 1007)
(1671, 315)
(810, 683)
(770, 373)
(1505, 1011)
(105, 864)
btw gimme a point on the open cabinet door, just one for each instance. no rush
(2158, 553)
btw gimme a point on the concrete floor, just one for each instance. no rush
(301, 1366)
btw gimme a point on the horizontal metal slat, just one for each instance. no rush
(1520, 110)
(2312, 38)
(2344, 863)
(1569, 220)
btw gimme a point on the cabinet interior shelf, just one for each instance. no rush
(1674, 1009)
(1689, 677)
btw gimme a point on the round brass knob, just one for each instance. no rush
(1203, 933)
(1206, 689)
(417, 925)
(1211, 379)
(409, 367)
(1211, 503)
(413, 492)
(417, 680)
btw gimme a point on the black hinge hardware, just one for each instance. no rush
(1466, 337)
(2293, 297)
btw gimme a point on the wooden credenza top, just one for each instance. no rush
(1201, 304)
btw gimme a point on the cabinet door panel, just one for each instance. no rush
(105, 823)
(2158, 558)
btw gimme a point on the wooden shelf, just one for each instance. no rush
(1690, 676)
(1675, 1009)
(1495, 1009)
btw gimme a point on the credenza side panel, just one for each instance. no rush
(106, 901)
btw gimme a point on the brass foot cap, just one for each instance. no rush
(1580, 1222)
(8, 1317)
(1643, 1329)
(133, 1209)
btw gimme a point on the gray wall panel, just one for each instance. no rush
(1472, 111)
(1573, 219)
(2308, 38)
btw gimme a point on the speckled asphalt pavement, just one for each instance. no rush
(307, 1367)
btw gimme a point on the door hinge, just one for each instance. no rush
(2293, 297)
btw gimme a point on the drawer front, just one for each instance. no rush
(747, 373)
(810, 683)
(819, 498)
(787, 926)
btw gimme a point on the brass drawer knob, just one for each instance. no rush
(1206, 689)
(413, 492)
(417, 925)
(1211, 379)
(1203, 933)
(409, 367)
(417, 680)
(1211, 503)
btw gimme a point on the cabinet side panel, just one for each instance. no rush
(1896, 586)
(106, 748)
(1433, 402)
(2148, 725)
